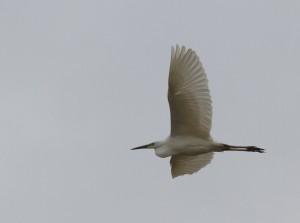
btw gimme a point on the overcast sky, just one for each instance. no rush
(82, 82)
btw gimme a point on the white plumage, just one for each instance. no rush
(190, 145)
(189, 97)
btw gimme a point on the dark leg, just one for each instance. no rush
(243, 148)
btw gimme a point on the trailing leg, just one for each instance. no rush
(242, 148)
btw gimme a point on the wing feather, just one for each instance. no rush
(188, 95)
(186, 164)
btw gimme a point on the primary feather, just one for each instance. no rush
(188, 95)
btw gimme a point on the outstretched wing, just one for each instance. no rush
(186, 164)
(188, 95)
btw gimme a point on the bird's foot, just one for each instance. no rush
(255, 149)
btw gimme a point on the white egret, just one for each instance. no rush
(190, 144)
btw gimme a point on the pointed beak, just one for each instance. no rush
(148, 146)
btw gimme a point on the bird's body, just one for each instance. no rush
(190, 144)
(185, 145)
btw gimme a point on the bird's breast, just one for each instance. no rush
(163, 152)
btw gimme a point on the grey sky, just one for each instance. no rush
(82, 82)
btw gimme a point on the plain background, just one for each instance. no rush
(82, 82)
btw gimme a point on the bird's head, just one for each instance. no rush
(159, 147)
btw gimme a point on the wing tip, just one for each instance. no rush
(181, 48)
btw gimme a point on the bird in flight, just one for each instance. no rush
(190, 144)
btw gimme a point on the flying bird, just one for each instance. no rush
(190, 144)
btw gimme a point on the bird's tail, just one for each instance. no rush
(242, 148)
